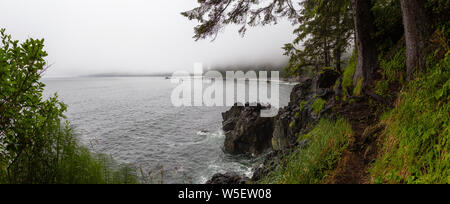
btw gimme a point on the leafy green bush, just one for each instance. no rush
(35, 144)
(327, 141)
(416, 146)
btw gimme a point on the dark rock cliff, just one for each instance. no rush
(247, 133)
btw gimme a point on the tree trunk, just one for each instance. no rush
(415, 22)
(367, 51)
(338, 45)
(326, 53)
(316, 67)
(338, 60)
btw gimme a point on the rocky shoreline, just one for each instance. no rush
(248, 133)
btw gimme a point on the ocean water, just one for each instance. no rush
(133, 120)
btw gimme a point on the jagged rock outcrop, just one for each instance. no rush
(294, 117)
(228, 178)
(299, 115)
(297, 118)
(245, 131)
(269, 163)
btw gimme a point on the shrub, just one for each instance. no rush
(36, 145)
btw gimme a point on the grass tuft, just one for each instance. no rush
(347, 79)
(318, 105)
(327, 141)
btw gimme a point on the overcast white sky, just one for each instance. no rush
(132, 36)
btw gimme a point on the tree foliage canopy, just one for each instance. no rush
(324, 33)
(325, 26)
(213, 15)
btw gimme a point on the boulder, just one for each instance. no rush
(324, 82)
(301, 91)
(326, 79)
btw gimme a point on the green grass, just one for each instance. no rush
(382, 88)
(415, 146)
(393, 72)
(318, 105)
(305, 166)
(69, 163)
(292, 124)
(349, 71)
(394, 69)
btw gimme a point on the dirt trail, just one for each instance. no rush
(354, 163)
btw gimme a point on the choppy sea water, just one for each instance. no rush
(133, 120)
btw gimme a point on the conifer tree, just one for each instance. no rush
(325, 31)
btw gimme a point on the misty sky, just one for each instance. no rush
(133, 36)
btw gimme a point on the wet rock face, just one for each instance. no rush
(245, 131)
(228, 178)
(323, 83)
(296, 119)
(271, 161)
(301, 91)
